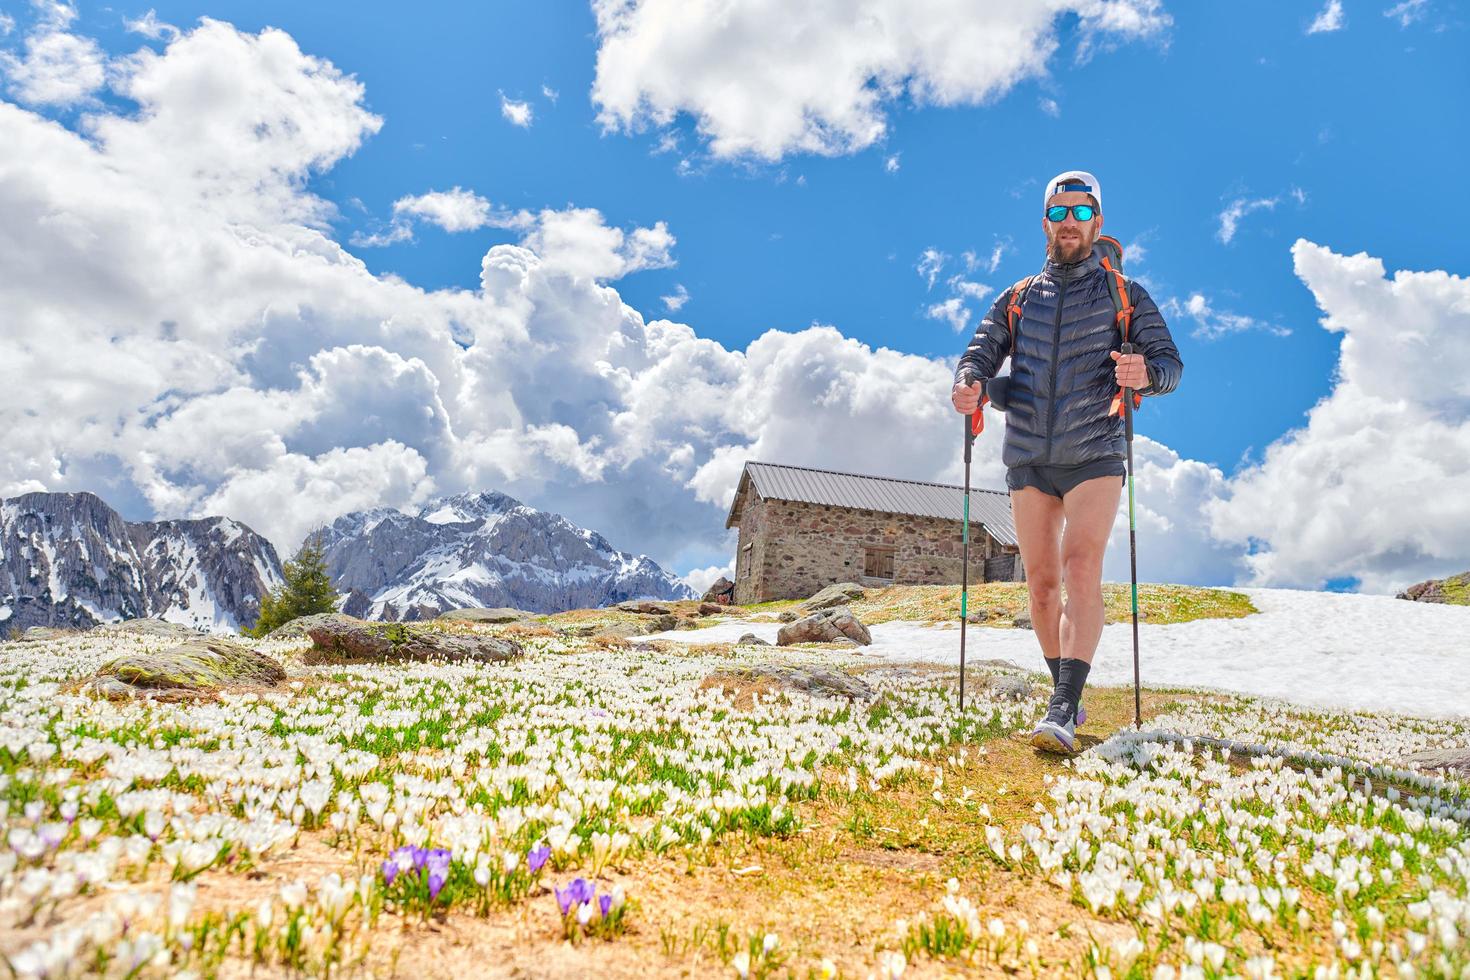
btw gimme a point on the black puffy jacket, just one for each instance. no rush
(1062, 377)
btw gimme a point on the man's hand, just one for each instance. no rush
(966, 398)
(1131, 370)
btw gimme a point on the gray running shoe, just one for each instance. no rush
(1050, 736)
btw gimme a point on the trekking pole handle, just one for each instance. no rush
(967, 379)
(1127, 348)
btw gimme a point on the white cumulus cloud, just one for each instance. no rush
(517, 113)
(1373, 486)
(1236, 210)
(766, 78)
(57, 69)
(1329, 18)
(1211, 324)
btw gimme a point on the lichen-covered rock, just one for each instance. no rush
(197, 666)
(751, 640)
(787, 616)
(41, 633)
(1454, 590)
(712, 609)
(833, 596)
(395, 642)
(827, 626)
(1454, 760)
(501, 615)
(1011, 688)
(297, 629)
(644, 607)
(156, 628)
(815, 681)
(1022, 620)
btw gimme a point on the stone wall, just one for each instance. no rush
(796, 549)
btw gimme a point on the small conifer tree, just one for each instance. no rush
(307, 590)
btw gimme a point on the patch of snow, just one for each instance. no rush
(4, 612)
(1320, 649)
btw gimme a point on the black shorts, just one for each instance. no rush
(1058, 480)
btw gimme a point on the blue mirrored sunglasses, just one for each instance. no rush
(1057, 213)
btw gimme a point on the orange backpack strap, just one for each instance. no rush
(1118, 288)
(1013, 305)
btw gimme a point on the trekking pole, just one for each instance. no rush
(1132, 548)
(965, 537)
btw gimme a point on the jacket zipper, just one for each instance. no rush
(1056, 353)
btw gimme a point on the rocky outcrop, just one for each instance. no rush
(1454, 761)
(833, 596)
(722, 592)
(814, 681)
(157, 629)
(1454, 590)
(399, 642)
(487, 615)
(481, 550)
(199, 665)
(644, 608)
(300, 627)
(69, 560)
(827, 626)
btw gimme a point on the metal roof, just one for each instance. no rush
(774, 481)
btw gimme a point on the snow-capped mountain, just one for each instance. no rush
(68, 559)
(481, 549)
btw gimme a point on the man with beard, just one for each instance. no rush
(1064, 452)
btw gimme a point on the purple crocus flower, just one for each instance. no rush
(436, 863)
(390, 871)
(604, 903)
(537, 858)
(583, 890)
(563, 899)
(420, 857)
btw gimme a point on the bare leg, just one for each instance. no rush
(1090, 508)
(1038, 519)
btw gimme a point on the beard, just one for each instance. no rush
(1065, 253)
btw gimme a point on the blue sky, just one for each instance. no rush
(1241, 103)
(1348, 138)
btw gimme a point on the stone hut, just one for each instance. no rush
(802, 529)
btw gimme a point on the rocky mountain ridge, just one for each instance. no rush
(68, 559)
(481, 549)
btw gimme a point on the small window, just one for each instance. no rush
(878, 562)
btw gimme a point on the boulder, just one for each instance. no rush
(1011, 688)
(1022, 620)
(40, 633)
(1454, 590)
(711, 609)
(833, 596)
(815, 681)
(155, 628)
(787, 616)
(397, 642)
(1455, 760)
(980, 614)
(296, 629)
(643, 607)
(751, 640)
(196, 666)
(501, 615)
(722, 592)
(826, 626)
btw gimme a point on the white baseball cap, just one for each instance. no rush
(1091, 186)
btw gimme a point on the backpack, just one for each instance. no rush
(1110, 251)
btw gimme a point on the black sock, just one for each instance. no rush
(1053, 664)
(1071, 676)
